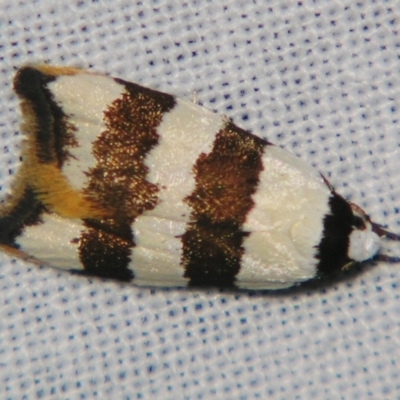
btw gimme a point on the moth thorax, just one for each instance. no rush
(364, 243)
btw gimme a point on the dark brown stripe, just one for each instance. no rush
(26, 212)
(118, 181)
(43, 118)
(226, 179)
(105, 249)
(338, 225)
(49, 134)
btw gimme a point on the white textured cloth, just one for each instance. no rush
(320, 78)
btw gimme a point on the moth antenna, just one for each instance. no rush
(381, 231)
(327, 183)
(386, 258)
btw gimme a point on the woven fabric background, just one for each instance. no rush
(320, 78)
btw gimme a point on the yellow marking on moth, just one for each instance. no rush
(54, 191)
(46, 179)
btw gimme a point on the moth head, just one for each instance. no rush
(364, 240)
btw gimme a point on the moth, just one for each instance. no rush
(121, 181)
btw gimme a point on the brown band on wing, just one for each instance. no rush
(225, 179)
(49, 133)
(27, 211)
(105, 249)
(333, 247)
(118, 181)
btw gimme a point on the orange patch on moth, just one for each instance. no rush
(54, 191)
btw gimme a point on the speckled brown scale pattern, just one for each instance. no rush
(105, 248)
(226, 179)
(118, 181)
